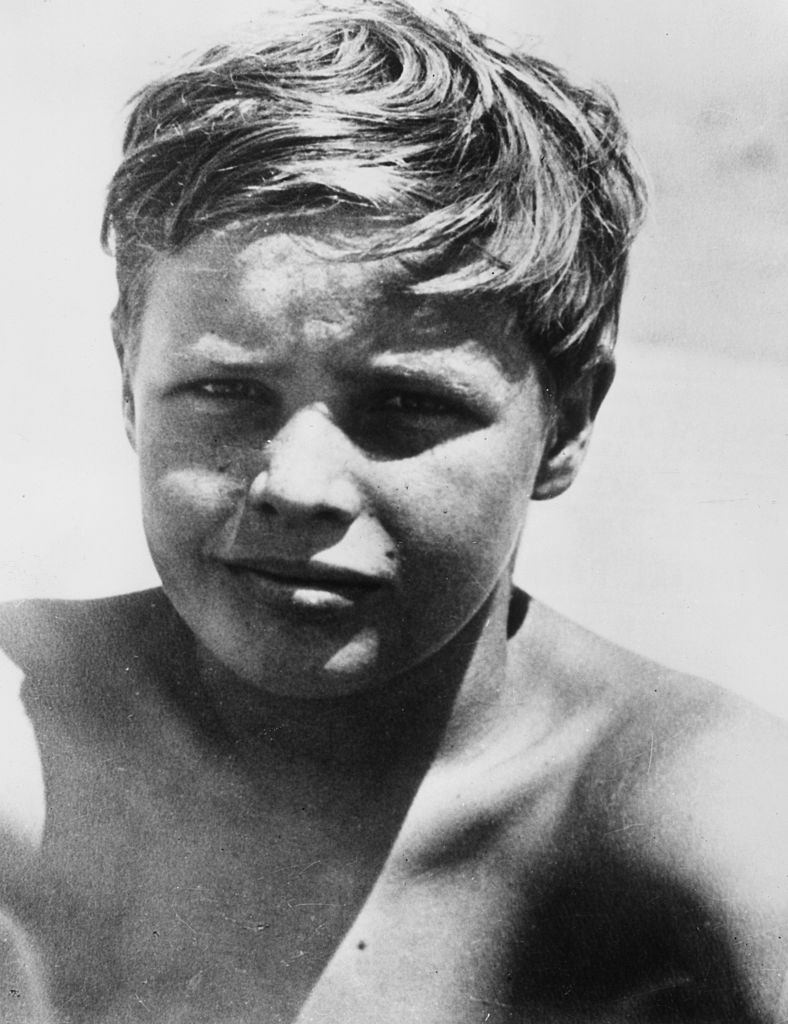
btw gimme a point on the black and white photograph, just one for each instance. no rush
(394, 548)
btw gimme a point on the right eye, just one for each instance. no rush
(230, 400)
(229, 390)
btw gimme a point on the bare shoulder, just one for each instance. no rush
(60, 667)
(30, 639)
(21, 774)
(690, 769)
(682, 781)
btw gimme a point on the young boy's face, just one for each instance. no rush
(334, 473)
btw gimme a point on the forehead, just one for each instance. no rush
(289, 285)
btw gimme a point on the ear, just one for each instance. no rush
(571, 431)
(123, 351)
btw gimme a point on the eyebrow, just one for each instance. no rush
(447, 378)
(392, 368)
(405, 362)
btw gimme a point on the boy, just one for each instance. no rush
(338, 769)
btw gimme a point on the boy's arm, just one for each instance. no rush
(23, 996)
(22, 805)
(718, 815)
(741, 848)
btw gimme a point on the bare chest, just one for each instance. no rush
(207, 895)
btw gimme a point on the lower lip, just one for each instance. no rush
(305, 597)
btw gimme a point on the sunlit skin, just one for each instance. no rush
(334, 473)
(337, 783)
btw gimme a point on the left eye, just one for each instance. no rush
(418, 404)
(399, 424)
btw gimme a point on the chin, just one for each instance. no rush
(307, 669)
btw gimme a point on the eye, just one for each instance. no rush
(419, 404)
(229, 390)
(231, 399)
(400, 422)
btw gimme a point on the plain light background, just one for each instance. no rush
(675, 539)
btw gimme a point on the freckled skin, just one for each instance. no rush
(340, 802)
(558, 843)
(319, 464)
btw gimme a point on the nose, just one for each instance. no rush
(307, 471)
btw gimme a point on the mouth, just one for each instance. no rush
(306, 586)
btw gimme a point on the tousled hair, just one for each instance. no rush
(485, 170)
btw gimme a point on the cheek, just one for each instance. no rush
(166, 438)
(466, 502)
(187, 512)
(189, 492)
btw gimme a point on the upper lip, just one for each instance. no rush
(310, 572)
